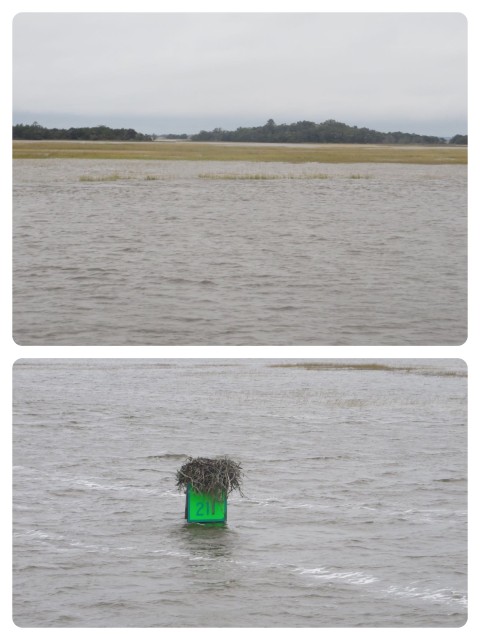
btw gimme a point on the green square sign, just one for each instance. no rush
(202, 507)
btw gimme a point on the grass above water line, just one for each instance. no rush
(262, 176)
(364, 366)
(113, 177)
(325, 153)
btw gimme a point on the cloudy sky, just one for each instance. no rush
(161, 73)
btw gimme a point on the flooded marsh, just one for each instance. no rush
(238, 253)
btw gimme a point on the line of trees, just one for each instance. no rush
(328, 131)
(35, 131)
(459, 139)
(297, 132)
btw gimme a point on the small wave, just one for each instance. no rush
(96, 486)
(318, 458)
(263, 502)
(442, 596)
(351, 577)
(170, 552)
(172, 493)
(177, 280)
(38, 534)
(168, 456)
(304, 505)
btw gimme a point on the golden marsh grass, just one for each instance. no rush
(327, 153)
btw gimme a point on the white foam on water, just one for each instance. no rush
(112, 487)
(37, 534)
(440, 596)
(350, 577)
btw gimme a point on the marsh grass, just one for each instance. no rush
(365, 366)
(112, 177)
(238, 176)
(325, 366)
(359, 176)
(262, 176)
(327, 153)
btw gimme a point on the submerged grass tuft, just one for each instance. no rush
(263, 176)
(112, 177)
(238, 176)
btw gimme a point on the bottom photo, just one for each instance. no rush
(239, 493)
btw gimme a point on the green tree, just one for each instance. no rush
(459, 139)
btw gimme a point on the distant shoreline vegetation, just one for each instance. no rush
(304, 131)
(35, 131)
(329, 131)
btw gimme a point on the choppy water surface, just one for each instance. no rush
(355, 506)
(133, 252)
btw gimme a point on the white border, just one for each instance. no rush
(11, 352)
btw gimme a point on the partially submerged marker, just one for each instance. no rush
(208, 482)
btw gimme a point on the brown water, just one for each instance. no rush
(165, 254)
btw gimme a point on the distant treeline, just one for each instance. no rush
(298, 132)
(35, 131)
(328, 131)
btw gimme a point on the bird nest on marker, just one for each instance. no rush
(214, 476)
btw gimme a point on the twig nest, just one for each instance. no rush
(215, 476)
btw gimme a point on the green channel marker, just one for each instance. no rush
(202, 507)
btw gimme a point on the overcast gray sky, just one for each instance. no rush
(185, 72)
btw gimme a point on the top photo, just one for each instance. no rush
(240, 179)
